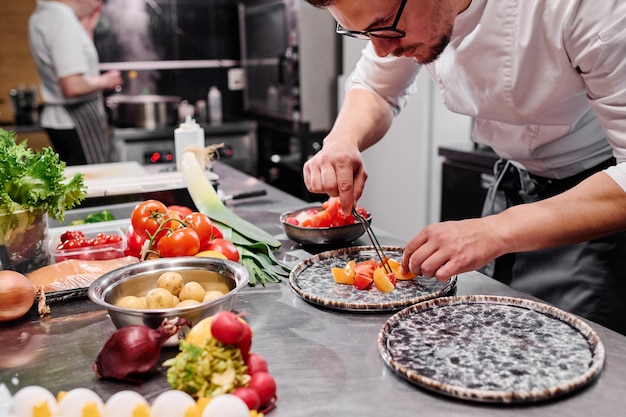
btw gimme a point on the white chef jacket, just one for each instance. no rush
(544, 79)
(61, 47)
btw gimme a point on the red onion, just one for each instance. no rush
(134, 350)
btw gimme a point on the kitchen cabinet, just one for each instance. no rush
(466, 175)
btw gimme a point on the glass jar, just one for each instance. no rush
(24, 240)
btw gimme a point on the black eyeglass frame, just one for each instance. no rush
(366, 34)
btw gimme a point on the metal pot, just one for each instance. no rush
(145, 111)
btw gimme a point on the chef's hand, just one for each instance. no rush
(337, 170)
(78, 85)
(445, 249)
(112, 79)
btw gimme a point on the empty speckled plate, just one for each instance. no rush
(491, 349)
(312, 279)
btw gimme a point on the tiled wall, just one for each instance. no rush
(16, 64)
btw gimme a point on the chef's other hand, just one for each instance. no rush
(337, 170)
(112, 79)
(445, 249)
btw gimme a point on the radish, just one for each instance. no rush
(265, 385)
(245, 343)
(227, 328)
(256, 363)
(249, 396)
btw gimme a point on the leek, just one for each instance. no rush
(208, 202)
(257, 257)
(255, 245)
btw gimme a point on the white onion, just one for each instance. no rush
(17, 295)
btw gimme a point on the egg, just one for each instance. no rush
(81, 402)
(124, 404)
(172, 404)
(27, 399)
(226, 405)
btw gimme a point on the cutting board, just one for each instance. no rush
(127, 178)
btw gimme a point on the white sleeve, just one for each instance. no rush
(596, 45)
(392, 78)
(618, 173)
(68, 49)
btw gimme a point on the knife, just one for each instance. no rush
(247, 194)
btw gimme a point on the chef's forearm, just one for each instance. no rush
(593, 209)
(79, 85)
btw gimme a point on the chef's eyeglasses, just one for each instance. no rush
(387, 32)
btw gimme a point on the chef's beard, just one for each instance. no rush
(443, 22)
(429, 56)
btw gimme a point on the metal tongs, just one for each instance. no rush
(377, 246)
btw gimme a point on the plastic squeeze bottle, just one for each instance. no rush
(189, 133)
(215, 105)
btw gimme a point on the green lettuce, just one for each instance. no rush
(32, 183)
(34, 180)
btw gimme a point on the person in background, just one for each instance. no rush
(546, 84)
(90, 21)
(71, 83)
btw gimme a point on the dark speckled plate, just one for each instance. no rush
(491, 349)
(312, 280)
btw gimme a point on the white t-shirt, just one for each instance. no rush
(61, 47)
(545, 81)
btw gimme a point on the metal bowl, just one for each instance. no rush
(137, 279)
(321, 235)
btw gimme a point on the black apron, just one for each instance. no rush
(587, 279)
(90, 122)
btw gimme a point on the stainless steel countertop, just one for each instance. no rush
(326, 363)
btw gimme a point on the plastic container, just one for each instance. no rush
(215, 105)
(91, 253)
(188, 134)
(201, 111)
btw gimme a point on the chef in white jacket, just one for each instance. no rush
(546, 84)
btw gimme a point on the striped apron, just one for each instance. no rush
(91, 125)
(588, 278)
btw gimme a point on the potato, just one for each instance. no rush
(189, 302)
(159, 298)
(130, 301)
(192, 291)
(212, 295)
(171, 281)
